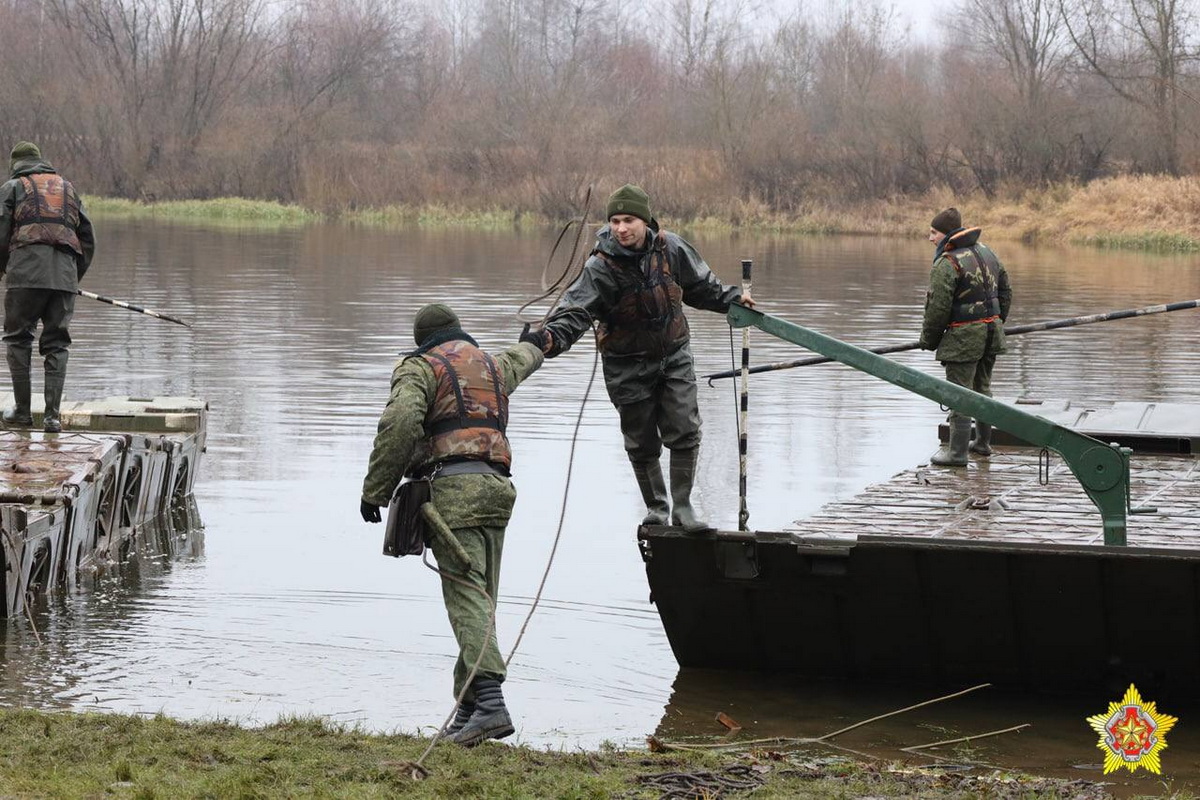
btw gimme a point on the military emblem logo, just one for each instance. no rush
(1132, 734)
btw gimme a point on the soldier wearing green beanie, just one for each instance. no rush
(634, 287)
(965, 308)
(48, 246)
(445, 421)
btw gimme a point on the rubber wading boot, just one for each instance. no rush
(649, 476)
(982, 443)
(56, 375)
(683, 477)
(19, 416)
(954, 453)
(490, 719)
(464, 712)
(18, 366)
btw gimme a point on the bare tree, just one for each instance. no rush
(1141, 49)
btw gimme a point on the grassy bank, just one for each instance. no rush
(92, 755)
(224, 210)
(1141, 213)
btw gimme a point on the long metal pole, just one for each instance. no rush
(1015, 330)
(744, 418)
(131, 307)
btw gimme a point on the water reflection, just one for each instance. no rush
(291, 608)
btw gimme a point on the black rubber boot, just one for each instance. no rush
(683, 477)
(19, 415)
(56, 377)
(464, 712)
(654, 491)
(982, 443)
(954, 453)
(490, 720)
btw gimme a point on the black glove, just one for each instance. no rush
(538, 338)
(369, 511)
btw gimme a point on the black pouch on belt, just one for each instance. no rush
(405, 531)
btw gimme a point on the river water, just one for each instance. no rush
(285, 606)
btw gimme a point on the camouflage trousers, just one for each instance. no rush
(976, 375)
(670, 416)
(469, 610)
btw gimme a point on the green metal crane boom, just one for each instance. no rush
(1102, 469)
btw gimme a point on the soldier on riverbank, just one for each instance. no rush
(48, 247)
(634, 286)
(965, 308)
(445, 421)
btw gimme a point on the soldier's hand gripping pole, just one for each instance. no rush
(131, 307)
(743, 510)
(1014, 330)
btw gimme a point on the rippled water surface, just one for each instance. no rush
(285, 605)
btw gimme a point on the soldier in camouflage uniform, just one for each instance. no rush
(965, 308)
(634, 286)
(48, 246)
(446, 417)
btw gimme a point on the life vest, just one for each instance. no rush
(469, 412)
(976, 293)
(648, 317)
(47, 214)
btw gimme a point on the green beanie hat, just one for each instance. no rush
(431, 319)
(947, 221)
(629, 199)
(23, 151)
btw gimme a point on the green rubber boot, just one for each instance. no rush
(649, 476)
(954, 453)
(982, 443)
(683, 477)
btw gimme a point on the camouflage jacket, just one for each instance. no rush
(598, 290)
(463, 500)
(41, 266)
(968, 342)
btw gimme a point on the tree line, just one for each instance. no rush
(341, 104)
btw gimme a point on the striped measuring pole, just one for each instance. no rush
(743, 414)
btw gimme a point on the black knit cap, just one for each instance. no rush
(947, 221)
(433, 318)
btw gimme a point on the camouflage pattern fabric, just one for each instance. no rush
(470, 611)
(47, 213)
(969, 342)
(634, 376)
(463, 500)
(41, 266)
(975, 375)
(464, 372)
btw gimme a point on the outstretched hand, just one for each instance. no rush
(369, 511)
(539, 338)
(747, 300)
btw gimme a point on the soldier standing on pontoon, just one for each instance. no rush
(635, 286)
(965, 308)
(46, 245)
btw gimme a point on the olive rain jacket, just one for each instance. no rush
(595, 295)
(40, 266)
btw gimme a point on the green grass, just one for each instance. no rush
(439, 216)
(224, 210)
(1157, 241)
(892, 217)
(94, 755)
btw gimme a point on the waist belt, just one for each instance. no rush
(993, 318)
(444, 469)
